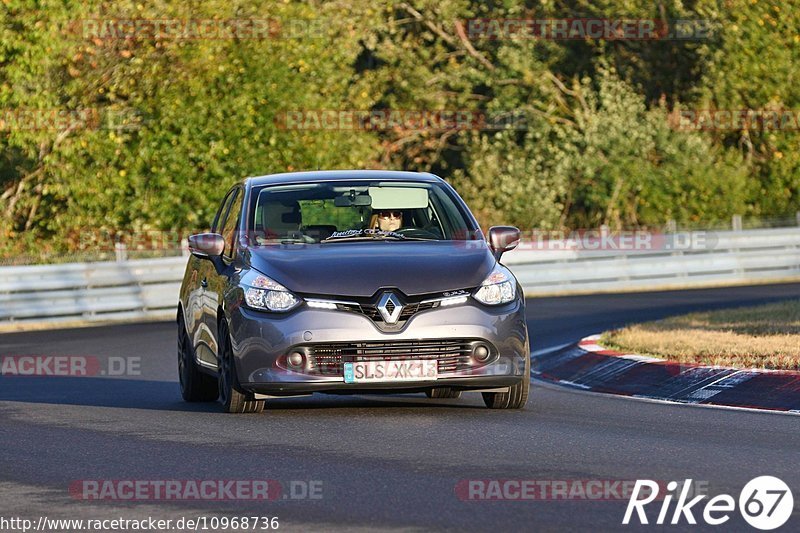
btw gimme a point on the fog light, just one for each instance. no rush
(296, 359)
(481, 353)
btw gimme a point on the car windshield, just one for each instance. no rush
(345, 211)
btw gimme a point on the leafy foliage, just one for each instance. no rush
(153, 131)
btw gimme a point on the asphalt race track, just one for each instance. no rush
(376, 461)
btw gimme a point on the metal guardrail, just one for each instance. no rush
(148, 288)
(137, 289)
(724, 257)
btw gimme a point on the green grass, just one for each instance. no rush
(767, 336)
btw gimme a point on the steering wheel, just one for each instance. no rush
(418, 233)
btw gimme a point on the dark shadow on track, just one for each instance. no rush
(99, 392)
(165, 396)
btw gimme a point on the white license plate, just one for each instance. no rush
(394, 370)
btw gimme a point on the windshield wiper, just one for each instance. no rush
(281, 240)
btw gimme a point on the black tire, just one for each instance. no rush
(515, 398)
(443, 392)
(195, 385)
(231, 395)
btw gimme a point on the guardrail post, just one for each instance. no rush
(736, 222)
(185, 248)
(121, 251)
(798, 217)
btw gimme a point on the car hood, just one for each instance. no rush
(361, 268)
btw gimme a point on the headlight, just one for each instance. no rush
(261, 292)
(499, 287)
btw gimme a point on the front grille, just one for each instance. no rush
(327, 359)
(371, 311)
(368, 306)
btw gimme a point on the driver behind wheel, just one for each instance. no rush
(387, 220)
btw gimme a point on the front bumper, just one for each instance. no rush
(260, 340)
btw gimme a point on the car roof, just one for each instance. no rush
(334, 175)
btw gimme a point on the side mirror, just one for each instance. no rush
(503, 239)
(206, 245)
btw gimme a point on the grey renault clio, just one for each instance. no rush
(347, 282)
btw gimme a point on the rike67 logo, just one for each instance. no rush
(765, 503)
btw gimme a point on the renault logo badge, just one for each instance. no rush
(389, 307)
